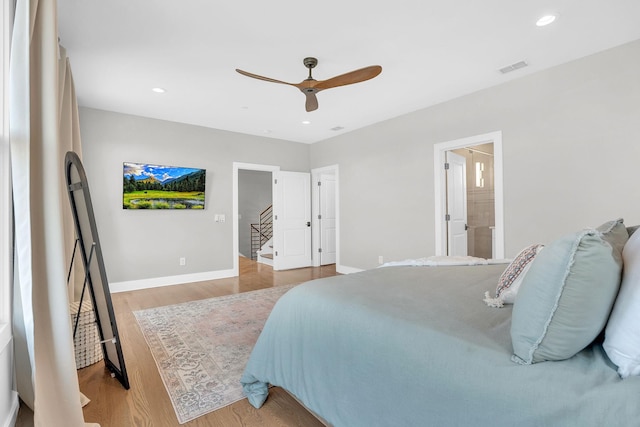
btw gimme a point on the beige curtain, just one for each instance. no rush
(45, 363)
(69, 141)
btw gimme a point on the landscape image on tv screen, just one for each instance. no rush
(147, 186)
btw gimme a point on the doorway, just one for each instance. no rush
(291, 197)
(237, 168)
(479, 200)
(469, 197)
(255, 196)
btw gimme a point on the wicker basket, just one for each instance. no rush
(87, 340)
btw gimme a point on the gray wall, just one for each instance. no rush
(571, 141)
(254, 195)
(148, 244)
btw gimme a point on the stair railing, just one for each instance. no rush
(262, 231)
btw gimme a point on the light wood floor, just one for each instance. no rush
(146, 403)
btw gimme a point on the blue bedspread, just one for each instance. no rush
(416, 346)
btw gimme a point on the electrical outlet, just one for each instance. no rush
(183, 261)
(380, 259)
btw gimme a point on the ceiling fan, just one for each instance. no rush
(311, 86)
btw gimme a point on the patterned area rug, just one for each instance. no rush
(201, 347)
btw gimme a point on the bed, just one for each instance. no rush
(417, 346)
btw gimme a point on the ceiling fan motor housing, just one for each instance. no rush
(310, 62)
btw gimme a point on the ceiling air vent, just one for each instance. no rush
(513, 67)
(337, 128)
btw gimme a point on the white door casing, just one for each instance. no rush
(291, 220)
(456, 174)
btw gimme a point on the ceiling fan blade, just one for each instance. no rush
(352, 77)
(312, 101)
(267, 79)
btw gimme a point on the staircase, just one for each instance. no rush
(261, 237)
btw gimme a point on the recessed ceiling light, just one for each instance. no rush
(159, 90)
(545, 20)
(306, 122)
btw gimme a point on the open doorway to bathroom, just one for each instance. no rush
(468, 186)
(478, 190)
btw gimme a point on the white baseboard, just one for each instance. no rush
(343, 269)
(13, 411)
(155, 282)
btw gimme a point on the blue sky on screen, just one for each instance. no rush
(161, 173)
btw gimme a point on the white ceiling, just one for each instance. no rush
(430, 52)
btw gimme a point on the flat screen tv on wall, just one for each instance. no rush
(146, 186)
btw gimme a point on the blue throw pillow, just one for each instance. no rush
(566, 297)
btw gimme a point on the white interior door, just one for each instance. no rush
(456, 205)
(292, 220)
(327, 219)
